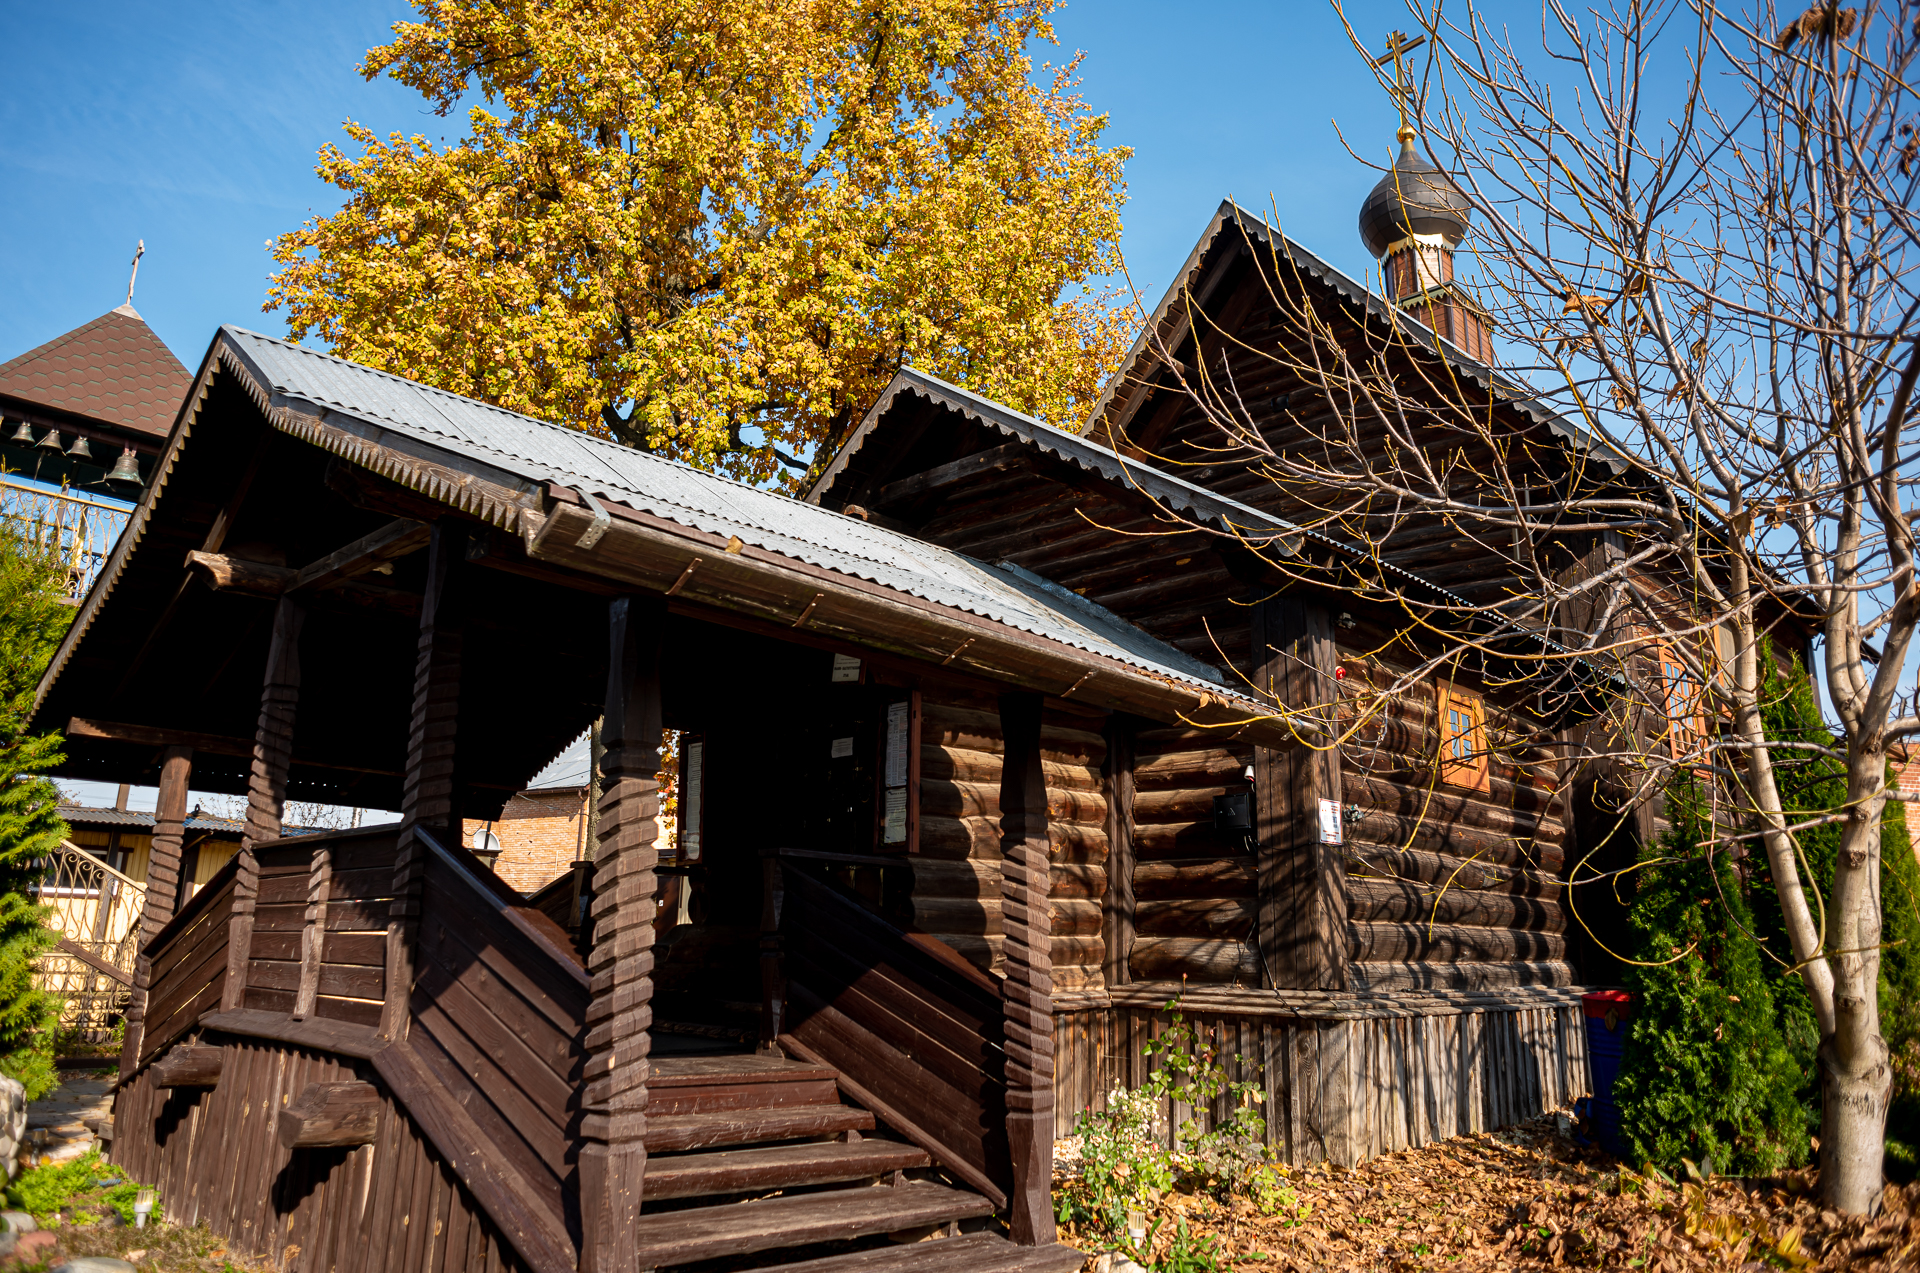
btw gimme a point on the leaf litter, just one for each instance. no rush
(1529, 1197)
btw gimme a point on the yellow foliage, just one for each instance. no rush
(675, 220)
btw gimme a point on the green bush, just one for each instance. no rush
(73, 1186)
(1708, 1073)
(32, 621)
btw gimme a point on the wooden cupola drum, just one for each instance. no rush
(1413, 221)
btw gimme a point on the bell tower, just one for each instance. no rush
(1413, 221)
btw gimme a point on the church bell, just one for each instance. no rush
(126, 468)
(51, 442)
(79, 450)
(23, 435)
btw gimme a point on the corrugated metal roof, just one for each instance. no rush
(85, 816)
(539, 452)
(573, 767)
(1175, 494)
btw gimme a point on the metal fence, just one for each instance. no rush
(95, 916)
(78, 530)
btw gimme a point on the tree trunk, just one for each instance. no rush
(1856, 1080)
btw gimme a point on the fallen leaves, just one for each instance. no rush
(1527, 1197)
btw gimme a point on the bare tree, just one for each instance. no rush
(1692, 236)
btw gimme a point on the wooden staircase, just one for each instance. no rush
(759, 1158)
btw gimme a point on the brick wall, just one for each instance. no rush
(541, 833)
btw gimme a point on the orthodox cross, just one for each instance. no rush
(1398, 46)
(138, 252)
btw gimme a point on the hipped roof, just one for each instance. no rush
(113, 370)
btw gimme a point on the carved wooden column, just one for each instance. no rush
(613, 1161)
(266, 786)
(1116, 919)
(163, 886)
(1302, 882)
(1025, 882)
(430, 798)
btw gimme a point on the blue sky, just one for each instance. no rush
(195, 127)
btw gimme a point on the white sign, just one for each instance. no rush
(845, 668)
(1330, 822)
(842, 748)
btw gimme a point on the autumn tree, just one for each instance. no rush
(716, 230)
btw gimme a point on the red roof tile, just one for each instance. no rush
(113, 369)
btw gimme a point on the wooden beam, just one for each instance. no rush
(163, 885)
(68, 946)
(211, 744)
(237, 574)
(262, 579)
(266, 786)
(431, 796)
(398, 538)
(1027, 992)
(189, 1065)
(1303, 932)
(1009, 455)
(330, 1115)
(613, 1163)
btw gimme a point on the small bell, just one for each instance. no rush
(23, 435)
(79, 450)
(126, 468)
(51, 442)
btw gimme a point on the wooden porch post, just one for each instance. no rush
(266, 786)
(430, 797)
(163, 887)
(1302, 882)
(1116, 920)
(1025, 881)
(613, 1160)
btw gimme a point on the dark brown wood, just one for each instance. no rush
(1025, 878)
(397, 539)
(328, 1036)
(431, 798)
(67, 946)
(613, 1163)
(1117, 906)
(237, 574)
(667, 1133)
(985, 1252)
(212, 744)
(1302, 922)
(993, 459)
(779, 1167)
(189, 1065)
(330, 1115)
(266, 784)
(670, 1237)
(163, 887)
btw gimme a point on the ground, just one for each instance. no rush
(1529, 1198)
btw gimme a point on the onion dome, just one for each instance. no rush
(1414, 197)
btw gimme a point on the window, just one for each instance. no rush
(1685, 701)
(1463, 738)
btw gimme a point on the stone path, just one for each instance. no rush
(57, 1123)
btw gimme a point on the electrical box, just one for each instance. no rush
(1233, 812)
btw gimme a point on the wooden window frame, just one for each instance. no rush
(1686, 732)
(1475, 773)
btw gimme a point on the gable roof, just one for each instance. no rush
(114, 370)
(1142, 360)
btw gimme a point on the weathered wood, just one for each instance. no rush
(613, 1162)
(940, 476)
(670, 1132)
(189, 1065)
(1119, 777)
(795, 1219)
(1024, 881)
(237, 574)
(194, 740)
(73, 949)
(1302, 929)
(266, 784)
(1202, 959)
(163, 889)
(329, 1115)
(779, 1167)
(395, 540)
(431, 796)
(1425, 942)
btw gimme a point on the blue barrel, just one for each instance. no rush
(1606, 1015)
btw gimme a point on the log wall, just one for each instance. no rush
(215, 1157)
(956, 890)
(1344, 1078)
(1449, 887)
(1196, 896)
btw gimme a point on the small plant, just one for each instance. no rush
(46, 1192)
(1186, 1253)
(1131, 1157)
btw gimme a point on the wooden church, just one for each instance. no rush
(998, 745)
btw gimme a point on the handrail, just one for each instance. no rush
(201, 899)
(71, 847)
(512, 906)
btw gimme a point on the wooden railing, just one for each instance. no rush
(913, 1029)
(95, 917)
(187, 968)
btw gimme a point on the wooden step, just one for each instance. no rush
(749, 1126)
(711, 1084)
(777, 1167)
(766, 1224)
(968, 1253)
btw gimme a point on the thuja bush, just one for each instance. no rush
(1133, 1152)
(1708, 1074)
(32, 621)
